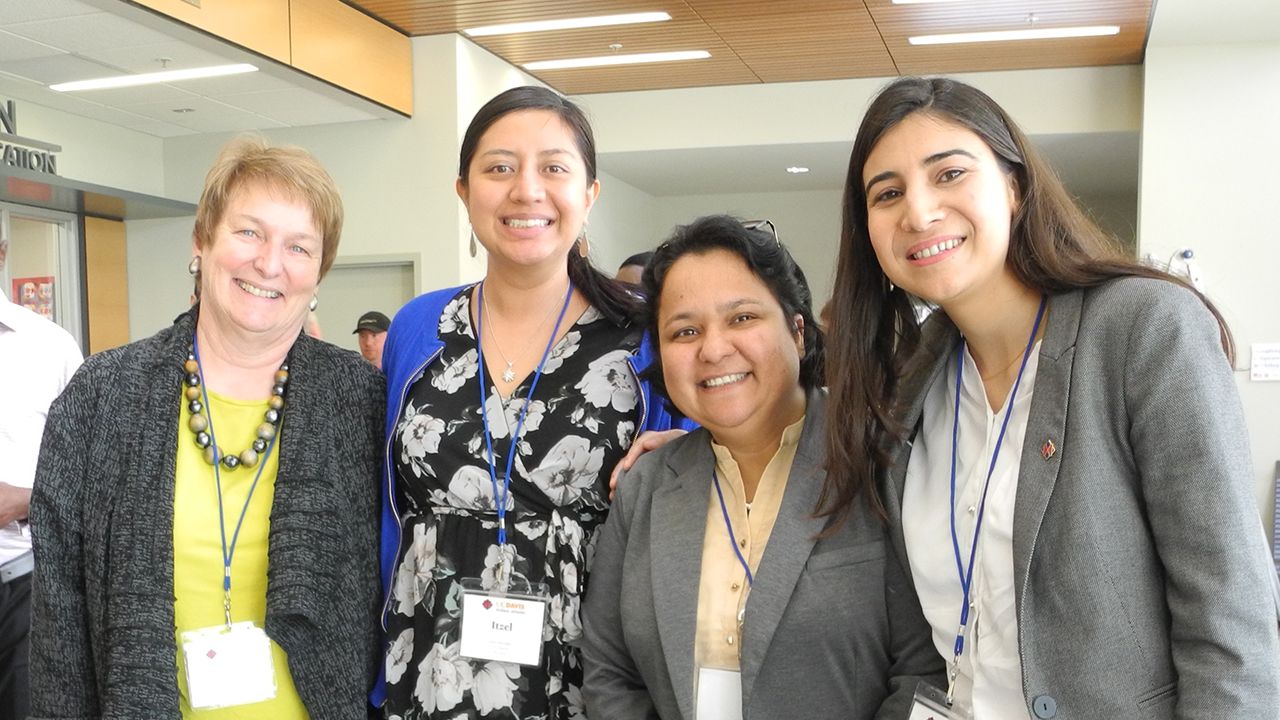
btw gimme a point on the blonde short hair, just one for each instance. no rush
(250, 160)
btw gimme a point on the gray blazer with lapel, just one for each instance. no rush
(832, 629)
(1142, 580)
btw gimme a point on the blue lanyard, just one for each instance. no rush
(501, 502)
(728, 525)
(966, 575)
(228, 551)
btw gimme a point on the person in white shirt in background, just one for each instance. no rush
(37, 359)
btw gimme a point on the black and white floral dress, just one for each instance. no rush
(580, 422)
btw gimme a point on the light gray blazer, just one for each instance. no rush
(832, 629)
(1143, 588)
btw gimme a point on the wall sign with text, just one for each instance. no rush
(21, 152)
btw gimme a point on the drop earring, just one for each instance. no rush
(473, 243)
(315, 302)
(194, 266)
(582, 243)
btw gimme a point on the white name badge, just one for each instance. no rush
(719, 694)
(228, 666)
(930, 703)
(502, 626)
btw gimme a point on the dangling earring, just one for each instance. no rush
(473, 243)
(892, 287)
(315, 302)
(194, 266)
(582, 243)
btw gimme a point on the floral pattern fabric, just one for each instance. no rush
(576, 428)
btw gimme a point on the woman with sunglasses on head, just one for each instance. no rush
(510, 400)
(1064, 456)
(717, 593)
(205, 508)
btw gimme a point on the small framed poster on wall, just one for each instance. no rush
(35, 294)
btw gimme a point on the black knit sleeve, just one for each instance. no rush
(63, 682)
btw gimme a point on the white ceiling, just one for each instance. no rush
(1091, 165)
(51, 41)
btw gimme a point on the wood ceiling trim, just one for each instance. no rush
(754, 41)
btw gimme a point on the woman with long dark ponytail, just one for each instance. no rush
(1059, 448)
(510, 400)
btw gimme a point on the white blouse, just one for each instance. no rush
(990, 668)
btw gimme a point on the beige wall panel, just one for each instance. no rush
(338, 43)
(260, 25)
(107, 280)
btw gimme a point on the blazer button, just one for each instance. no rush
(1045, 707)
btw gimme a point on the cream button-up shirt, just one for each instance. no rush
(990, 667)
(723, 588)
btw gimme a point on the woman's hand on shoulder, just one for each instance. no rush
(648, 440)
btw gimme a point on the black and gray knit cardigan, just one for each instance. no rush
(102, 633)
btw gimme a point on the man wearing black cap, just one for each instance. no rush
(372, 329)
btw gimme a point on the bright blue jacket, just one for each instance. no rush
(410, 347)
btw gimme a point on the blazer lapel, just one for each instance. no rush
(679, 522)
(790, 543)
(1047, 424)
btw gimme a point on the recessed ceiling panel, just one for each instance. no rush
(86, 33)
(119, 97)
(57, 69)
(156, 58)
(292, 104)
(22, 11)
(13, 47)
(173, 111)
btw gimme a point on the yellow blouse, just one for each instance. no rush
(197, 549)
(722, 589)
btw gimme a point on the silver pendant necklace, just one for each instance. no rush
(509, 375)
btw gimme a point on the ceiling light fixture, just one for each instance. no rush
(152, 78)
(568, 24)
(797, 170)
(918, 2)
(1037, 34)
(617, 60)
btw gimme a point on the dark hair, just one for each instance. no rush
(765, 257)
(640, 259)
(1053, 248)
(604, 293)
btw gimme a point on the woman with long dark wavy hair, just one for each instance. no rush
(1060, 447)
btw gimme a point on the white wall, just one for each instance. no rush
(157, 253)
(97, 152)
(1069, 100)
(1209, 182)
(623, 222)
(808, 224)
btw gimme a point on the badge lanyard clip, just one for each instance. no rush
(966, 574)
(501, 501)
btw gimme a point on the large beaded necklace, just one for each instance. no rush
(199, 423)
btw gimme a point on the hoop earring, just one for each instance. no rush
(194, 266)
(473, 243)
(315, 302)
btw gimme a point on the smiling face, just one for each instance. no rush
(939, 210)
(527, 190)
(261, 266)
(730, 359)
